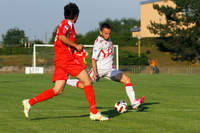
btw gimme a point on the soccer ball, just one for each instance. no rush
(121, 106)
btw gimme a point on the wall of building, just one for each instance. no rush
(148, 14)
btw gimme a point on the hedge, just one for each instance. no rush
(15, 51)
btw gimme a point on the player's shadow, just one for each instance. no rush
(146, 106)
(66, 117)
(58, 117)
(110, 112)
(113, 113)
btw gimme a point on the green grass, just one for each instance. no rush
(15, 60)
(171, 106)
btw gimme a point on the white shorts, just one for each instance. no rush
(108, 73)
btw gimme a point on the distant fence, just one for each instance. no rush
(129, 69)
(162, 70)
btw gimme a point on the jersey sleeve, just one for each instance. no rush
(64, 29)
(96, 50)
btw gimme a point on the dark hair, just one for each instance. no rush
(71, 10)
(105, 25)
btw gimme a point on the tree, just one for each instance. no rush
(14, 36)
(37, 41)
(122, 25)
(180, 35)
(53, 35)
(121, 34)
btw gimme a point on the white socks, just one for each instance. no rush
(72, 82)
(130, 93)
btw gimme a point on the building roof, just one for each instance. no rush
(135, 29)
(148, 1)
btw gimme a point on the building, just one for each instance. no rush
(148, 14)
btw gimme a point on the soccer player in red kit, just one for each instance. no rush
(66, 62)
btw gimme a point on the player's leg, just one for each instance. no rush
(28, 103)
(119, 76)
(59, 85)
(77, 83)
(87, 83)
(129, 88)
(45, 95)
(135, 103)
(89, 93)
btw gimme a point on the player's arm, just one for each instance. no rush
(66, 41)
(95, 56)
(94, 68)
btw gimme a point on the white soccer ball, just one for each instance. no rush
(121, 106)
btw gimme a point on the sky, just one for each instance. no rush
(40, 17)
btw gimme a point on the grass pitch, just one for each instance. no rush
(171, 106)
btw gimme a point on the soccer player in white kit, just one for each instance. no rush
(103, 66)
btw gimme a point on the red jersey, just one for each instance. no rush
(66, 60)
(63, 52)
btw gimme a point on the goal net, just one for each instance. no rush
(43, 57)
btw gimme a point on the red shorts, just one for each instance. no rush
(63, 69)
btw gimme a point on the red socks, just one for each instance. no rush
(89, 93)
(42, 96)
(77, 84)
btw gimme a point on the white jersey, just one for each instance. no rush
(103, 52)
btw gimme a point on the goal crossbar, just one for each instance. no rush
(90, 46)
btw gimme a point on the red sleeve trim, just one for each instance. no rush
(128, 84)
(104, 54)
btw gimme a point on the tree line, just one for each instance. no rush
(180, 35)
(121, 35)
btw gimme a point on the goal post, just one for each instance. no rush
(34, 51)
(35, 67)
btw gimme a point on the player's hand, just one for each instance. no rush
(79, 47)
(95, 76)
